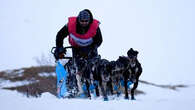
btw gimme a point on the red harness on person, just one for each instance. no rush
(76, 39)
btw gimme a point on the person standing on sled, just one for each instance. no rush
(83, 34)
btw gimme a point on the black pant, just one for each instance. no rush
(84, 52)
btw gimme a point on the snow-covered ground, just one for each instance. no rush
(155, 98)
(161, 30)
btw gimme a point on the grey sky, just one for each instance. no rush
(161, 30)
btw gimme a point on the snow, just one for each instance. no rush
(44, 74)
(162, 32)
(7, 83)
(20, 71)
(14, 73)
(155, 98)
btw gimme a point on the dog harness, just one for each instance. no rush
(76, 39)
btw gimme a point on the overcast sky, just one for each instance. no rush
(162, 31)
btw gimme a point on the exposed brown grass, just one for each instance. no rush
(42, 84)
(36, 89)
(27, 74)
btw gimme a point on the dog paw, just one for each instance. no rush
(106, 99)
(126, 98)
(133, 98)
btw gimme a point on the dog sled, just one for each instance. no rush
(97, 76)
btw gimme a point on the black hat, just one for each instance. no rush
(84, 15)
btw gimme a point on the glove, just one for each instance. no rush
(59, 53)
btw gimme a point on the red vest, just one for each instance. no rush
(76, 39)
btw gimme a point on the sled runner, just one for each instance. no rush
(61, 74)
(65, 87)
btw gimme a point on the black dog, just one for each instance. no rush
(116, 69)
(93, 74)
(104, 75)
(101, 76)
(122, 75)
(109, 76)
(79, 75)
(84, 76)
(126, 70)
(71, 82)
(135, 70)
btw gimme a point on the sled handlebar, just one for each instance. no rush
(69, 47)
